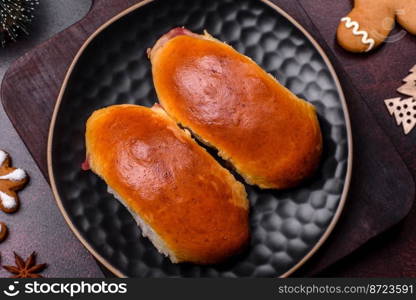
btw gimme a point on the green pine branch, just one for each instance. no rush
(15, 15)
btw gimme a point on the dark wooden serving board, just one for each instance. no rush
(375, 77)
(382, 189)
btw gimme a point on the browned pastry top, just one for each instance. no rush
(194, 205)
(272, 137)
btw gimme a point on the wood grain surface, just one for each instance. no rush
(382, 188)
(375, 76)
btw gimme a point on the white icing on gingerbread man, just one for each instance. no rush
(357, 32)
(11, 180)
(370, 23)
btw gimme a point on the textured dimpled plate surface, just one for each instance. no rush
(114, 69)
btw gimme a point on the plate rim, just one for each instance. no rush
(134, 7)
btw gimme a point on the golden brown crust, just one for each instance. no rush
(194, 205)
(272, 138)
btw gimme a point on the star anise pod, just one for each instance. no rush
(25, 269)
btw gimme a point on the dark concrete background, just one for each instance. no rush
(51, 17)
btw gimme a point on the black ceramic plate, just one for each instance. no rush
(112, 68)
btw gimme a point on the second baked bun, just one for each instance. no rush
(191, 208)
(272, 137)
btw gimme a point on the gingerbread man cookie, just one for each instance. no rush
(11, 180)
(3, 231)
(370, 22)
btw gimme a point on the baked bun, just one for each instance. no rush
(191, 208)
(270, 136)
